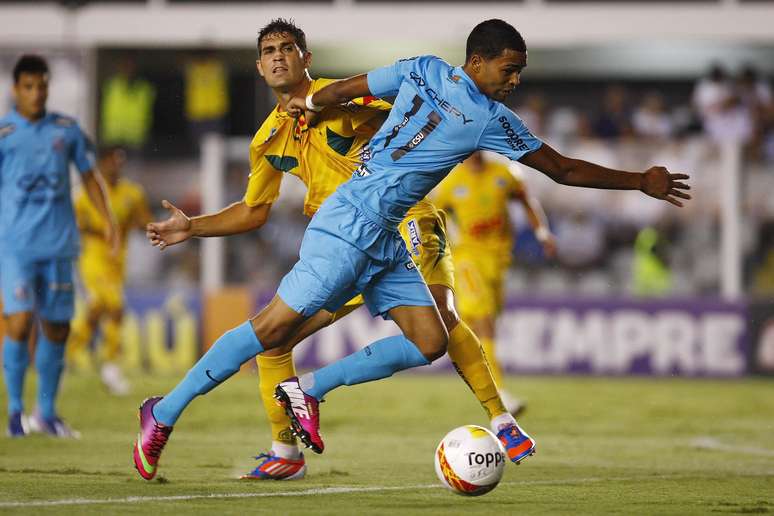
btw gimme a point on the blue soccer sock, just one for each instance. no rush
(379, 360)
(223, 359)
(16, 357)
(49, 361)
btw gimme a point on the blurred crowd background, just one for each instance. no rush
(158, 102)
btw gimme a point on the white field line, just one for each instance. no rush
(311, 492)
(710, 443)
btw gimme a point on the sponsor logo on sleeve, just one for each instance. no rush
(512, 139)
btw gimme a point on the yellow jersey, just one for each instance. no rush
(478, 204)
(128, 202)
(323, 156)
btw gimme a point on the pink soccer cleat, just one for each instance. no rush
(151, 440)
(303, 411)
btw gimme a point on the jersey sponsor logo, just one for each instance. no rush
(6, 130)
(513, 141)
(361, 171)
(415, 238)
(435, 97)
(38, 184)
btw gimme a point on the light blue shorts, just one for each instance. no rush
(45, 286)
(344, 254)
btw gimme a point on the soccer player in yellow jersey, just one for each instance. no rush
(323, 154)
(102, 269)
(477, 194)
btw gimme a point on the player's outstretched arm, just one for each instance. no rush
(537, 221)
(336, 93)
(237, 218)
(96, 192)
(657, 182)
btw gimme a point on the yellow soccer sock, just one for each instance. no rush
(469, 360)
(77, 353)
(488, 346)
(111, 340)
(271, 371)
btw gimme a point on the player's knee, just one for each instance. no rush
(270, 334)
(19, 326)
(433, 345)
(56, 332)
(449, 316)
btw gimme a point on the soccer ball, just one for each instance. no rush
(470, 460)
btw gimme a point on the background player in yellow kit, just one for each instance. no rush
(323, 157)
(102, 269)
(477, 194)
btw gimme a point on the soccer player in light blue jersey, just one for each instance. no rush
(441, 115)
(39, 240)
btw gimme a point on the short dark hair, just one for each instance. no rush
(283, 26)
(491, 37)
(29, 63)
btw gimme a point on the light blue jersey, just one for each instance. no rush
(36, 213)
(438, 119)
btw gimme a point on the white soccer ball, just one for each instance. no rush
(470, 460)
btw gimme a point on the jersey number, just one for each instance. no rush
(433, 119)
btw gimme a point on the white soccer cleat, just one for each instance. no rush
(114, 380)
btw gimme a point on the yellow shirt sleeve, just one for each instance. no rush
(263, 185)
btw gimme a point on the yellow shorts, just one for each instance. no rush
(481, 278)
(424, 231)
(104, 284)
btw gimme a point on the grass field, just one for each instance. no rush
(666, 446)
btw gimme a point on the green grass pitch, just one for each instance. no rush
(621, 445)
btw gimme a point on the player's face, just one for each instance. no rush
(281, 62)
(499, 76)
(30, 93)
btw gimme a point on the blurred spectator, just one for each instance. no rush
(534, 113)
(651, 119)
(650, 274)
(127, 108)
(722, 114)
(755, 97)
(581, 241)
(613, 122)
(206, 94)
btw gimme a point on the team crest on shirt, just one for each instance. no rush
(460, 191)
(500, 182)
(272, 132)
(59, 144)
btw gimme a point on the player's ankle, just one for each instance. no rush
(285, 450)
(501, 421)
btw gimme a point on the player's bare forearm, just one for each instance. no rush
(657, 182)
(232, 220)
(96, 192)
(336, 93)
(342, 91)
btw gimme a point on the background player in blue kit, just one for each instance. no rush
(441, 115)
(39, 240)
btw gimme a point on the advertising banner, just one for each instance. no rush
(602, 337)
